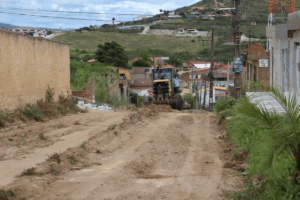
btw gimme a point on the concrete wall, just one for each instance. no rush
(283, 71)
(28, 65)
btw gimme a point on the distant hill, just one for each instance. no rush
(6, 26)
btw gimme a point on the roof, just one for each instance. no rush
(265, 100)
(17, 29)
(227, 15)
(226, 8)
(142, 83)
(204, 65)
(214, 87)
(199, 8)
(220, 88)
(168, 65)
(190, 16)
(32, 29)
(139, 70)
(10, 29)
(180, 29)
(25, 29)
(92, 60)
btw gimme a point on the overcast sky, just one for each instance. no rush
(31, 7)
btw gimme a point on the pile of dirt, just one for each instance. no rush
(125, 108)
(57, 164)
(160, 108)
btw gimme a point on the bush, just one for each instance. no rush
(33, 112)
(223, 104)
(188, 97)
(115, 100)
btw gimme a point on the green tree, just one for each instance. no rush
(49, 32)
(177, 62)
(144, 62)
(112, 53)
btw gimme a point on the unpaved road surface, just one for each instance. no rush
(151, 153)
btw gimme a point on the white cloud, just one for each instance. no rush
(149, 7)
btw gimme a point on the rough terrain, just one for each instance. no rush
(150, 153)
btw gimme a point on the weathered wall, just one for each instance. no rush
(87, 92)
(27, 66)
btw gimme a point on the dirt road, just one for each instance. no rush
(154, 153)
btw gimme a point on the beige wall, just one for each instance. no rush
(28, 65)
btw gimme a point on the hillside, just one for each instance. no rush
(156, 45)
(6, 26)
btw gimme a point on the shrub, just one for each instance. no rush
(188, 97)
(33, 112)
(223, 104)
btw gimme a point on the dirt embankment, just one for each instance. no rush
(151, 153)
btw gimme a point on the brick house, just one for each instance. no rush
(253, 69)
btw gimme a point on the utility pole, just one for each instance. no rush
(228, 76)
(211, 72)
(204, 98)
(237, 49)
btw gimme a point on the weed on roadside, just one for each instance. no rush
(54, 171)
(72, 160)
(33, 112)
(112, 127)
(42, 136)
(83, 145)
(98, 151)
(28, 172)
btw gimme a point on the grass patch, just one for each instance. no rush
(115, 100)
(83, 145)
(112, 127)
(72, 160)
(42, 136)
(28, 172)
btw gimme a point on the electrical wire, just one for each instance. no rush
(73, 12)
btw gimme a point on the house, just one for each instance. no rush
(163, 17)
(175, 17)
(227, 16)
(25, 30)
(92, 61)
(180, 30)
(141, 17)
(191, 30)
(208, 16)
(256, 67)
(285, 54)
(171, 13)
(33, 30)
(18, 30)
(197, 9)
(190, 16)
(226, 10)
(11, 29)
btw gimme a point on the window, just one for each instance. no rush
(122, 75)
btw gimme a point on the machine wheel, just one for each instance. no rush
(146, 98)
(179, 101)
(133, 98)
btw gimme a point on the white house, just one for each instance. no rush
(180, 30)
(200, 66)
(285, 54)
(141, 17)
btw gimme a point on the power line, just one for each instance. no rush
(69, 18)
(80, 12)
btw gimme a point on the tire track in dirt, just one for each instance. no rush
(11, 168)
